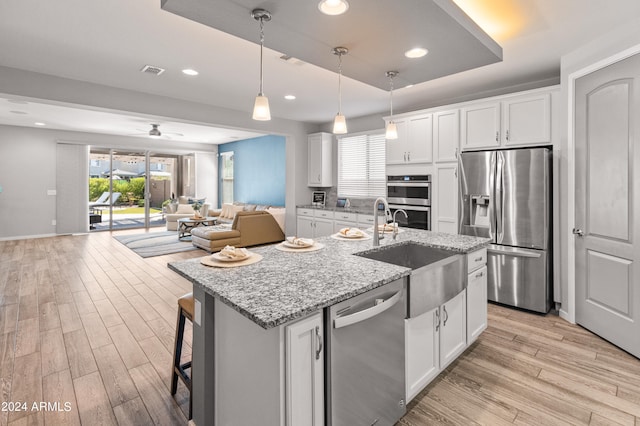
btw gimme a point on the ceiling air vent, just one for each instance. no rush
(150, 69)
(292, 60)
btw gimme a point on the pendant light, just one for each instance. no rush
(392, 131)
(340, 123)
(261, 110)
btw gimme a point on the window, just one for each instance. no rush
(361, 166)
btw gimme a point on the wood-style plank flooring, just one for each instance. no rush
(86, 322)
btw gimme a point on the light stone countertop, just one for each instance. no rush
(285, 286)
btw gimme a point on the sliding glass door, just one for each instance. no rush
(129, 189)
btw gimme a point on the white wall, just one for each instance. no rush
(26, 84)
(207, 176)
(28, 170)
(606, 46)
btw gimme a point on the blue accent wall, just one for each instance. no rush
(258, 169)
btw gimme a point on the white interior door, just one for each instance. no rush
(607, 129)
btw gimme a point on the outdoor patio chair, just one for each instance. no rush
(101, 199)
(112, 201)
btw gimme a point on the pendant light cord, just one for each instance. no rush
(340, 83)
(261, 49)
(391, 96)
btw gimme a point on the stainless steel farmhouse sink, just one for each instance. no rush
(437, 275)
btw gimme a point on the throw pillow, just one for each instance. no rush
(199, 200)
(249, 207)
(226, 213)
(184, 209)
(234, 210)
(261, 207)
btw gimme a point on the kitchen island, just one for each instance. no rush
(239, 342)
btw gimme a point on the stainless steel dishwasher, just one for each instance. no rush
(365, 358)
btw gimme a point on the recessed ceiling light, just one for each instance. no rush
(408, 86)
(333, 7)
(189, 71)
(39, 123)
(416, 52)
(18, 112)
(289, 97)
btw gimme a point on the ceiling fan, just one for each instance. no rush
(155, 133)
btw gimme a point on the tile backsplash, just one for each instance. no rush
(332, 198)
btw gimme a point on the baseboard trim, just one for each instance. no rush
(26, 237)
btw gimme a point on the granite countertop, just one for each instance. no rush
(285, 286)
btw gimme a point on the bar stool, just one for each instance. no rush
(185, 310)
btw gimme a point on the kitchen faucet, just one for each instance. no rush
(376, 236)
(395, 224)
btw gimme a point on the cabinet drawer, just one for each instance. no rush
(325, 214)
(349, 217)
(366, 219)
(305, 212)
(476, 260)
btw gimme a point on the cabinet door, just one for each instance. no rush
(420, 139)
(322, 228)
(314, 159)
(453, 329)
(396, 149)
(476, 304)
(305, 372)
(319, 160)
(527, 120)
(480, 126)
(446, 135)
(304, 227)
(421, 352)
(446, 198)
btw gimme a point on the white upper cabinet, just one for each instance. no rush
(446, 135)
(480, 126)
(511, 121)
(415, 141)
(527, 120)
(319, 158)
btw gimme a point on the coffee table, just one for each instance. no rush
(186, 224)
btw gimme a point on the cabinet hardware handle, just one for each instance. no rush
(479, 274)
(405, 156)
(318, 178)
(497, 136)
(455, 172)
(507, 136)
(579, 232)
(437, 319)
(446, 316)
(319, 341)
(409, 156)
(455, 154)
(477, 259)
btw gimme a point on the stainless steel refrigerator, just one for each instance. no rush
(505, 195)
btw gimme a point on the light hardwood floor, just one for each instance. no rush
(85, 321)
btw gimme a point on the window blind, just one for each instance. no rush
(361, 166)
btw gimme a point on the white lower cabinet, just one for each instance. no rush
(305, 372)
(312, 223)
(433, 340)
(476, 294)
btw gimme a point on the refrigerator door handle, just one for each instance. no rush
(492, 206)
(513, 251)
(499, 199)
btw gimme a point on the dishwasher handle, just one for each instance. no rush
(367, 313)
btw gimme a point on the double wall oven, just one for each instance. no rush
(411, 193)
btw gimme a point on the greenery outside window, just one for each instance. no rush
(361, 165)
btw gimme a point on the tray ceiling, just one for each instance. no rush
(376, 32)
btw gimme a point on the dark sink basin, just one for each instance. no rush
(437, 275)
(409, 255)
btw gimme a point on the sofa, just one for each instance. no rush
(249, 228)
(183, 208)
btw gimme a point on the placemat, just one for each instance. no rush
(209, 261)
(316, 246)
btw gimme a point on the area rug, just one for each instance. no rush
(152, 244)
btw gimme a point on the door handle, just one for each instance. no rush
(446, 316)
(367, 313)
(579, 232)
(437, 319)
(319, 340)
